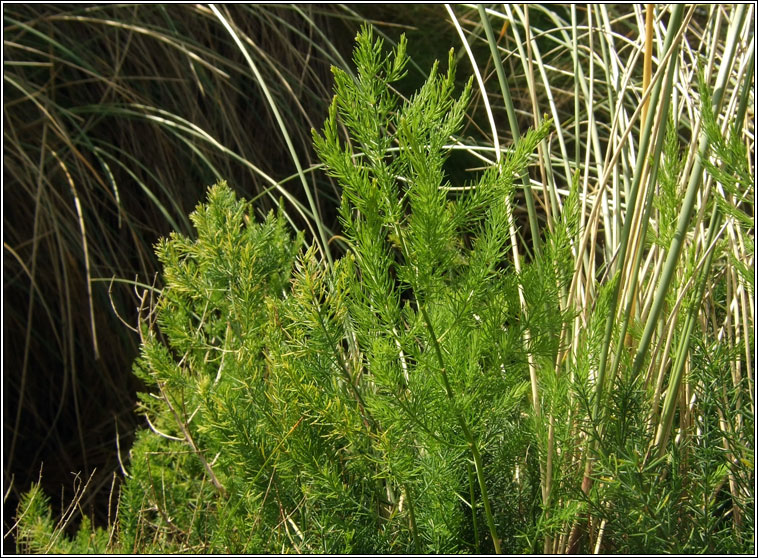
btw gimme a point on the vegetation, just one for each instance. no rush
(554, 354)
(116, 119)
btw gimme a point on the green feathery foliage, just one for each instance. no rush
(372, 405)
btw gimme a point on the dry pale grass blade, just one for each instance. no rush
(324, 245)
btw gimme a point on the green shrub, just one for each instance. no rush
(431, 391)
(359, 407)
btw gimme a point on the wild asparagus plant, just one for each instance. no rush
(364, 406)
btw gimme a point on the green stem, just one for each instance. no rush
(412, 514)
(477, 544)
(667, 415)
(466, 432)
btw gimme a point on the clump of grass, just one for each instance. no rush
(659, 256)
